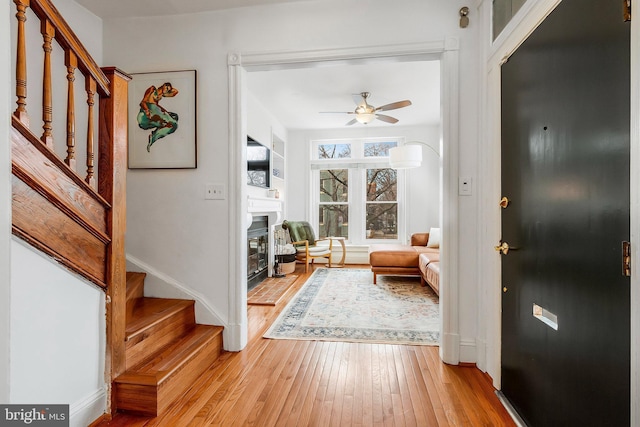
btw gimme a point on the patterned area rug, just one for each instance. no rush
(345, 305)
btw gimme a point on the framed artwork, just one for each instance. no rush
(162, 120)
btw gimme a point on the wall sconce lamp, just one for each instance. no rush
(409, 155)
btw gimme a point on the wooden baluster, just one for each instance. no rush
(90, 85)
(48, 32)
(71, 61)
(21, 63)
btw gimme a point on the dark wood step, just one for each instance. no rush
(155, 323)
(152, 386)
(135, 291)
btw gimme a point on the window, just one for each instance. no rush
(356, 195)
(333, 216)
(382, 204)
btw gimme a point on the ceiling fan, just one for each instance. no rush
(366, 113)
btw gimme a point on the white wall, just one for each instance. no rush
(423, 183)
(57, 336)
(170, 225)
(5, 201)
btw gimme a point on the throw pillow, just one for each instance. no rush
(434, 238)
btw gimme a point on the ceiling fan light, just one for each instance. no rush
(365, 118)
(405, 157)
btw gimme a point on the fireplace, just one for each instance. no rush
(257, 251)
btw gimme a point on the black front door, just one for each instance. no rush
(565, 170)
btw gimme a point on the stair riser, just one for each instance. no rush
(170, 390)
(155, 338)
(137, 399)
(135, 291)
(151, 400)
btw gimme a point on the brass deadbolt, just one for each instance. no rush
(503, 248)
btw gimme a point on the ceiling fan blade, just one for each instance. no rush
(336, 112)
(387, 119)
(394, 105)
(352, 122)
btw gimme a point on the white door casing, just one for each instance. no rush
(239, 63)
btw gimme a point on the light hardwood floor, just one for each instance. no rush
(311, 383)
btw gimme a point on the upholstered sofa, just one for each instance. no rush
(420, 258)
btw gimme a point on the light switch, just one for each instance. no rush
(214, 192)
(465, 186)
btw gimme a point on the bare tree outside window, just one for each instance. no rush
(357, 194)
(334, 203)
(378, 149)
(382, 204)
(334, 151)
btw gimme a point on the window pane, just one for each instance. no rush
(503, 11)
(334, 185)
(382, 221)
(378, 149)
(334, 221)
(334, 151)
(382, 185)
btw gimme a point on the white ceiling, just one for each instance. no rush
(122, 8)
(297, 96)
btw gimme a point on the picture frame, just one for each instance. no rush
(162, 120)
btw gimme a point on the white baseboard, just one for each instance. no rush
(87, 410)
(468, 351)
(159, 285)
(356, 254)
(233, 337)
(481, 355)
(455, 350)
(450, 349)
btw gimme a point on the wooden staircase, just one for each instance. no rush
(75, 211)
(165, 350)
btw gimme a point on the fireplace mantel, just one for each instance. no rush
(263, 204)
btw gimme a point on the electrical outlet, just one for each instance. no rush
(214, 192)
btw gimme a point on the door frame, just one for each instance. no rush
(447, 51)
(532, 13)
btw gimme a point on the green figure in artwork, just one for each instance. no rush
(153, 116)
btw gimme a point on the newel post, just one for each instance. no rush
(112, 169)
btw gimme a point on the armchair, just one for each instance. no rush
(304, 239)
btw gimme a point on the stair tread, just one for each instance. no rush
(160, 367)
(149, 311)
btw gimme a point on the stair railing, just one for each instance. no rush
(73, 216)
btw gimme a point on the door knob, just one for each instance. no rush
(503, 248)
(504, 202)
